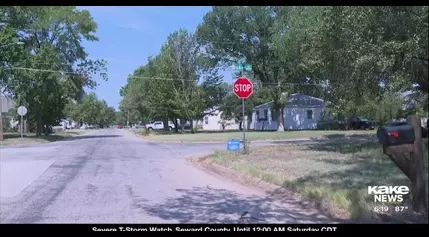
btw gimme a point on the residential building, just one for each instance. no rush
(213, 121)
(6, 103)
(302, 112)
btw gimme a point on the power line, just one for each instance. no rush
(157, 78)
(42, 70)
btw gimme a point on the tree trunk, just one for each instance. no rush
(182, 125)
(39, 124)
(249, 120)
(1, 127)
(240, 125)
(176, 125)
(165, 123)
(280, 126)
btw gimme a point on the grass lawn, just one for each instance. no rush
(252, 135)
(335, 175)
(15, 138)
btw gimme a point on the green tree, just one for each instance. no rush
(178, 83)
(229, 33)
(52, 37)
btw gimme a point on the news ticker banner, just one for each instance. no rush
(212, 227)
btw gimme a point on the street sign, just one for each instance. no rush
(233, 145)
(247, 67)
(21, 110)
(243, 88)
(243, 67)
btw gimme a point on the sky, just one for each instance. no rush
(128, 35)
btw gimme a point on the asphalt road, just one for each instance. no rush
(111, 176)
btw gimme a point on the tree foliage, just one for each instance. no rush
(177, 84)
(360, 60)
(92, 111)
(52, 38)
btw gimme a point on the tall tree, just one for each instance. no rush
(52, 37)
(229, 33)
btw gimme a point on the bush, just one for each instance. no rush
(194, 130)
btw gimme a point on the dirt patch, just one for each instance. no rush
(332, 176)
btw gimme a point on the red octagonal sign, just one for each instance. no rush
(243, 88)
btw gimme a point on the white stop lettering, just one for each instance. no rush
(242, 88)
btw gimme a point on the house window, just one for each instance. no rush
(309, 114)
(206, 120)
(257, 115)
(265, 113)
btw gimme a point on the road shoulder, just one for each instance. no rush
(273, 191)
(281, 193)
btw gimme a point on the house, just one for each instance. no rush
(300, 113)
(6, 103)
(213, 121)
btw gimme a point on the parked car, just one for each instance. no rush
(331, 124)
(361, 123)
(139, 126)
(119, 126)
(158, 125)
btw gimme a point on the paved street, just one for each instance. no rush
(112, 176)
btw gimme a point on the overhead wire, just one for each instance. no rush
(152, 78)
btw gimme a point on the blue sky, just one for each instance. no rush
(128, 35)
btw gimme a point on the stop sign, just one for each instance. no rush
(243, 88)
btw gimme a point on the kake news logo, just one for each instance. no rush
(388, 194)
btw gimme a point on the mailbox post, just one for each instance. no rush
(404, 146)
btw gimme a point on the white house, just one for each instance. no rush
(214, 122)
(6, 103)
(300, 113)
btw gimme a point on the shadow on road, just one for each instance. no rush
(91, 136)
(209, 205)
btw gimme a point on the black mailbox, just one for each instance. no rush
(396, 135)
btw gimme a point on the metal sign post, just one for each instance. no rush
(243, 89)
(22, 111)
(244, 126)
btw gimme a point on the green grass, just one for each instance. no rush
(15, 138)
(252, 135)
(335, 175)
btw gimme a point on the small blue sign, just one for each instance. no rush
(233, 145)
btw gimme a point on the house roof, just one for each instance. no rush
(290, 98)
(210, 110)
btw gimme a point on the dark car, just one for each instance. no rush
(361, 123)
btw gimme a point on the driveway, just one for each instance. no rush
(111, 176)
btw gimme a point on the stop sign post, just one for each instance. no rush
(243, 89)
